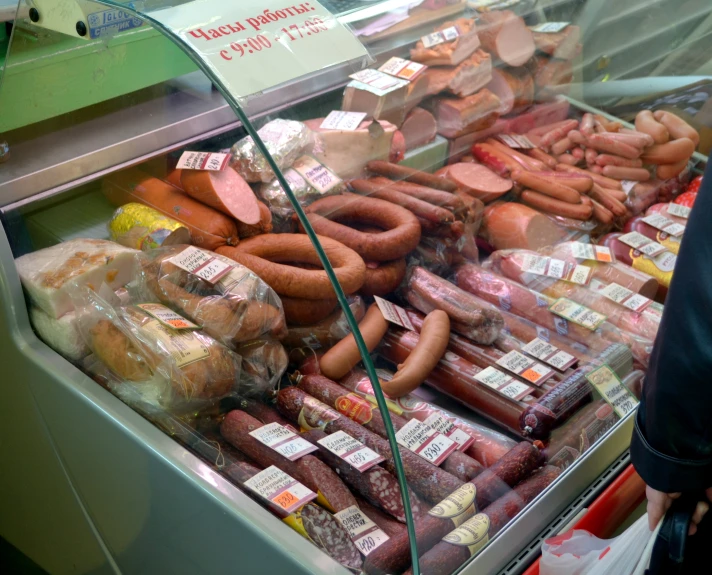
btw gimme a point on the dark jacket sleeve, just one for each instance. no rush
(672, 442)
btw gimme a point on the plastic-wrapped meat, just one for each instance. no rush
(449, 53)
(459, 116)
(466, 79)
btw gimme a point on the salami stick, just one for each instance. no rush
(420, 208)
(411, 174)
(431, 195)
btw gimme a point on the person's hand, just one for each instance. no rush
(659, 503)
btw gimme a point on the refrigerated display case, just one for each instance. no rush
(176, 338)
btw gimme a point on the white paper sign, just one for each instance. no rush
(202, 264)
(550, 27)
(625, 297)
(253, 45)
(425, 441)
(394, 313)
(439, 422)
(550, 354)
(203, 161)
(642, 243)
(663, 224)
(365, 534)
(679, 210)
(401, 68)
(516, 141)
(376, 82)
(591, 252)
(284, 441)
(447, 35)
(167, 316)
(525, 367)
(319, 176)
(505, 384)
(618, 396)
(279, 488)
(345, 121)
(351, 450)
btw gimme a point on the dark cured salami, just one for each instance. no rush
(516, 465)
(376, 485)
(334, 395)
(445, 557)
(236, 428)
(390, 526)
(430, 482)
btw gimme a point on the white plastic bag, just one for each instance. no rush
(578, 552)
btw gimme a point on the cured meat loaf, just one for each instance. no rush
(458, 116)
(449, 53)
(464, 80)
(563, 45)
(505, 35)
(390, 107)
(419, 128)
(515, 89)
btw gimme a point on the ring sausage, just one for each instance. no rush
(402, 227)
(677, 127)
(410, 174)
(645, 122)
(434, 336)
(669, 153)
(263, 254)
(344, 356)
(430, 195)
(549, 187)
(384, 278)
(622, 173)
(557, 207)
(300, 311)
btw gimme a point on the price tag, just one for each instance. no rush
(643, 244)
(526, 368)
(577, 313)
(401, 68)
(625, 297)
(516, 141)
(679, 210)
(365, 534)
(202, 264)
(167, 316)
(376, 82)
(284, 441)
(439, 422)
(344, 121)
(617, 395)
(351, 450)
(591, 252)
(277, 487)
(628, 186)
(505, 384)
(393, 313)
(252, 46)
(440, 37)
(550, 354)
(319, 177)
(184, 346)
(550, 27)
(557, 269)
(203, 161)
(663, 224)
(426, 442)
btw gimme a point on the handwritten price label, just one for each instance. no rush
(524, 367)
(425, 441)
(253, 45)
(277, 487)
(365, 534)
(212, 161)
(202, 264)
(166, 316)
(351, 450)
(284, 441)
(439, 422)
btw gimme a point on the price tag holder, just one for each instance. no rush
(503, 383)
(643, 244)
(376, 82)
(525, 367)
(278, 488)
(663, 224)
(617, 395)
(317, 175)
(425, 441)
(404, 69)
(351, 450)
(550, 354)
(365, 534)
(166, 316)
(577, 313)
(516, 141)
(679, 210)
(625, 297)
(394, 313)
(442, 424)
(284, 441)
(203, 161)
(251, 45)
(202, 264)
(550, 27)
(557, 269)
(591, 252)
(440, 37)
(344, 121)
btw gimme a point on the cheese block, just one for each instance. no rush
(48, 275)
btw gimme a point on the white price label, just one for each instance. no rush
(394, 313)
(679, 210)
(202, 264)
(277, 487)
(663, 224)
(426, 442)
(376, 82)
(617, 395)
(284, 441)
(401, 68)
(591, 252)
(344, 121)
(550, 27)
(550, 354)
(625, 297)
(167, 316)
(319, 176)
(439, 422)
(203, 161)
(505, 384)
(252, 45)
(185, 346)
(440, 37)
(557, 269)
(351, 450)
(526, 368)
(516, 141)
(365, 534)
(641, 243)
(577, 313)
